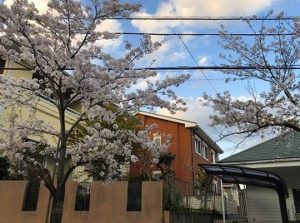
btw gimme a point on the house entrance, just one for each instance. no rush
(296, 195)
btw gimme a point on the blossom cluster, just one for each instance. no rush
(68, 66)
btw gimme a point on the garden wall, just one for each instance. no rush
(108, 204)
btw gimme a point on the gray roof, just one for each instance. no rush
(276, 148)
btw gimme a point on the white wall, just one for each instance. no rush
(263, 205)
(214, 203)
(290, 174)
(291, 177)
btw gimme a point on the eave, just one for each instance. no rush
(273, 163)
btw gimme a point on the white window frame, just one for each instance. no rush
(205, 150)
(213, 156)
(215, 186)
(157, 139)
(198, 144)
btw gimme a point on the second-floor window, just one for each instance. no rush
(213, 157)
(205, 150)
(198, 148)
(157, 139)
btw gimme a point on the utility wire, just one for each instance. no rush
(206, 18)
(213, 79)
(175, 68)
(190, 53)
(195, 18)
(202, 34)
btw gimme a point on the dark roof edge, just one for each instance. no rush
(207, 139)
(166, 117)
(243, 162)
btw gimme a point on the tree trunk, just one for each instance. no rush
(58, 200)
(58, 206)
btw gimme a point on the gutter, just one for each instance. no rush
(270, 161)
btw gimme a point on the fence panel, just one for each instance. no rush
(189, 216)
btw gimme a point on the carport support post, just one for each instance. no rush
(223, 203)
(283, 209)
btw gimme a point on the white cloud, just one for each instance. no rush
(41, 5)
(165, 54)
(198, 113)
(142, 84)
(191, 8)
(106, 25)
(176, 56)
(149, 25)
(198, 8)
(203, 60)
(212, 7)
(110, 26)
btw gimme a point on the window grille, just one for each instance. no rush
(134, 195)
(82, 202)
(31, 195)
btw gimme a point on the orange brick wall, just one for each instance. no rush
(200, 159)
(182, 145)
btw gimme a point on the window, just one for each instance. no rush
(205, 150)
(157, 139)
(2, 65)
(213, 157)
(215, 187)
(198, 146)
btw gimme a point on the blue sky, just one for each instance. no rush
(205, 49)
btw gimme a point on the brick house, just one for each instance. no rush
(190, 144)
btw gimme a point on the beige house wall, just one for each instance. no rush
(44, 109)
(108, 204)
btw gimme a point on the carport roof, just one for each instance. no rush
(260, 178)
(276, 148)
(248, 176)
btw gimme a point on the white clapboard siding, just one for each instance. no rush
(263, 205)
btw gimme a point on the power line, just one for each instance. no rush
(211, 79)
(205, 18)
(171, 68)
(190, 53)
(202, 34)
(216, 68)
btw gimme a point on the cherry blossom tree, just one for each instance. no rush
(62, 49)
(269, 58)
